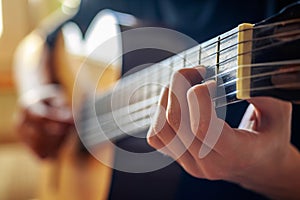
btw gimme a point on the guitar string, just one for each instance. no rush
(144, 102)
(291, 32)
(262, 75)
(255, 50)
(292, 62)
(265, 74)
(225, 61)
(250, 65)
(253, 65)
(230, 70)
(110, 131)
(220, 75)
(286, 22)
(139, 115)
(228, 48)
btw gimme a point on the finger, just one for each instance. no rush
(248, 121)
(160, 133)
(163, 137)
(270, 112)
(61, 114)
(177, 108)
(156, 143)
(189, 159)
(41, 111)
(205, 124)
(211, 164)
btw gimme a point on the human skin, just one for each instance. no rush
(258, 155)
(44, 116)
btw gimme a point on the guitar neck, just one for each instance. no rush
(247, 61)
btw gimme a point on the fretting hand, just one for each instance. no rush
(258, 156)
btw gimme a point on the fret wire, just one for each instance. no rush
(267, 46)
(234, 80)
(251, 65)
(127, 85)
(248, 77)
(200, 54)
(256, 65)
(151, 91)
(256, 39)
(257, 27)
(256, 50)
(282, 42)
(156, 71)
(109, 132)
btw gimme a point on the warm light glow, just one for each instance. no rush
(1, 22)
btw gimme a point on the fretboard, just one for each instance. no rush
(128, 107)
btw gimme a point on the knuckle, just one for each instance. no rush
(176, 75)
(183, 76)
(173, 118)
(180, 72)
(203, 126)
(159, 125)
(195, 126)
(152, 140)
(199, 128)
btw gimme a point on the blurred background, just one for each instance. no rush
(19, 169)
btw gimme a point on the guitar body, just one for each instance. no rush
(75, 176)
(78, 175)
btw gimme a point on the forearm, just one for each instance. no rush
(280, 181)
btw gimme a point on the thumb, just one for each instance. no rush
(271, 113)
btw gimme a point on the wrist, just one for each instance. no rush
(279, 179)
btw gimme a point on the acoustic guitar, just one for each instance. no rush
(250, 60)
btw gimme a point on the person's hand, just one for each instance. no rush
(186, 127)
(44, 120)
